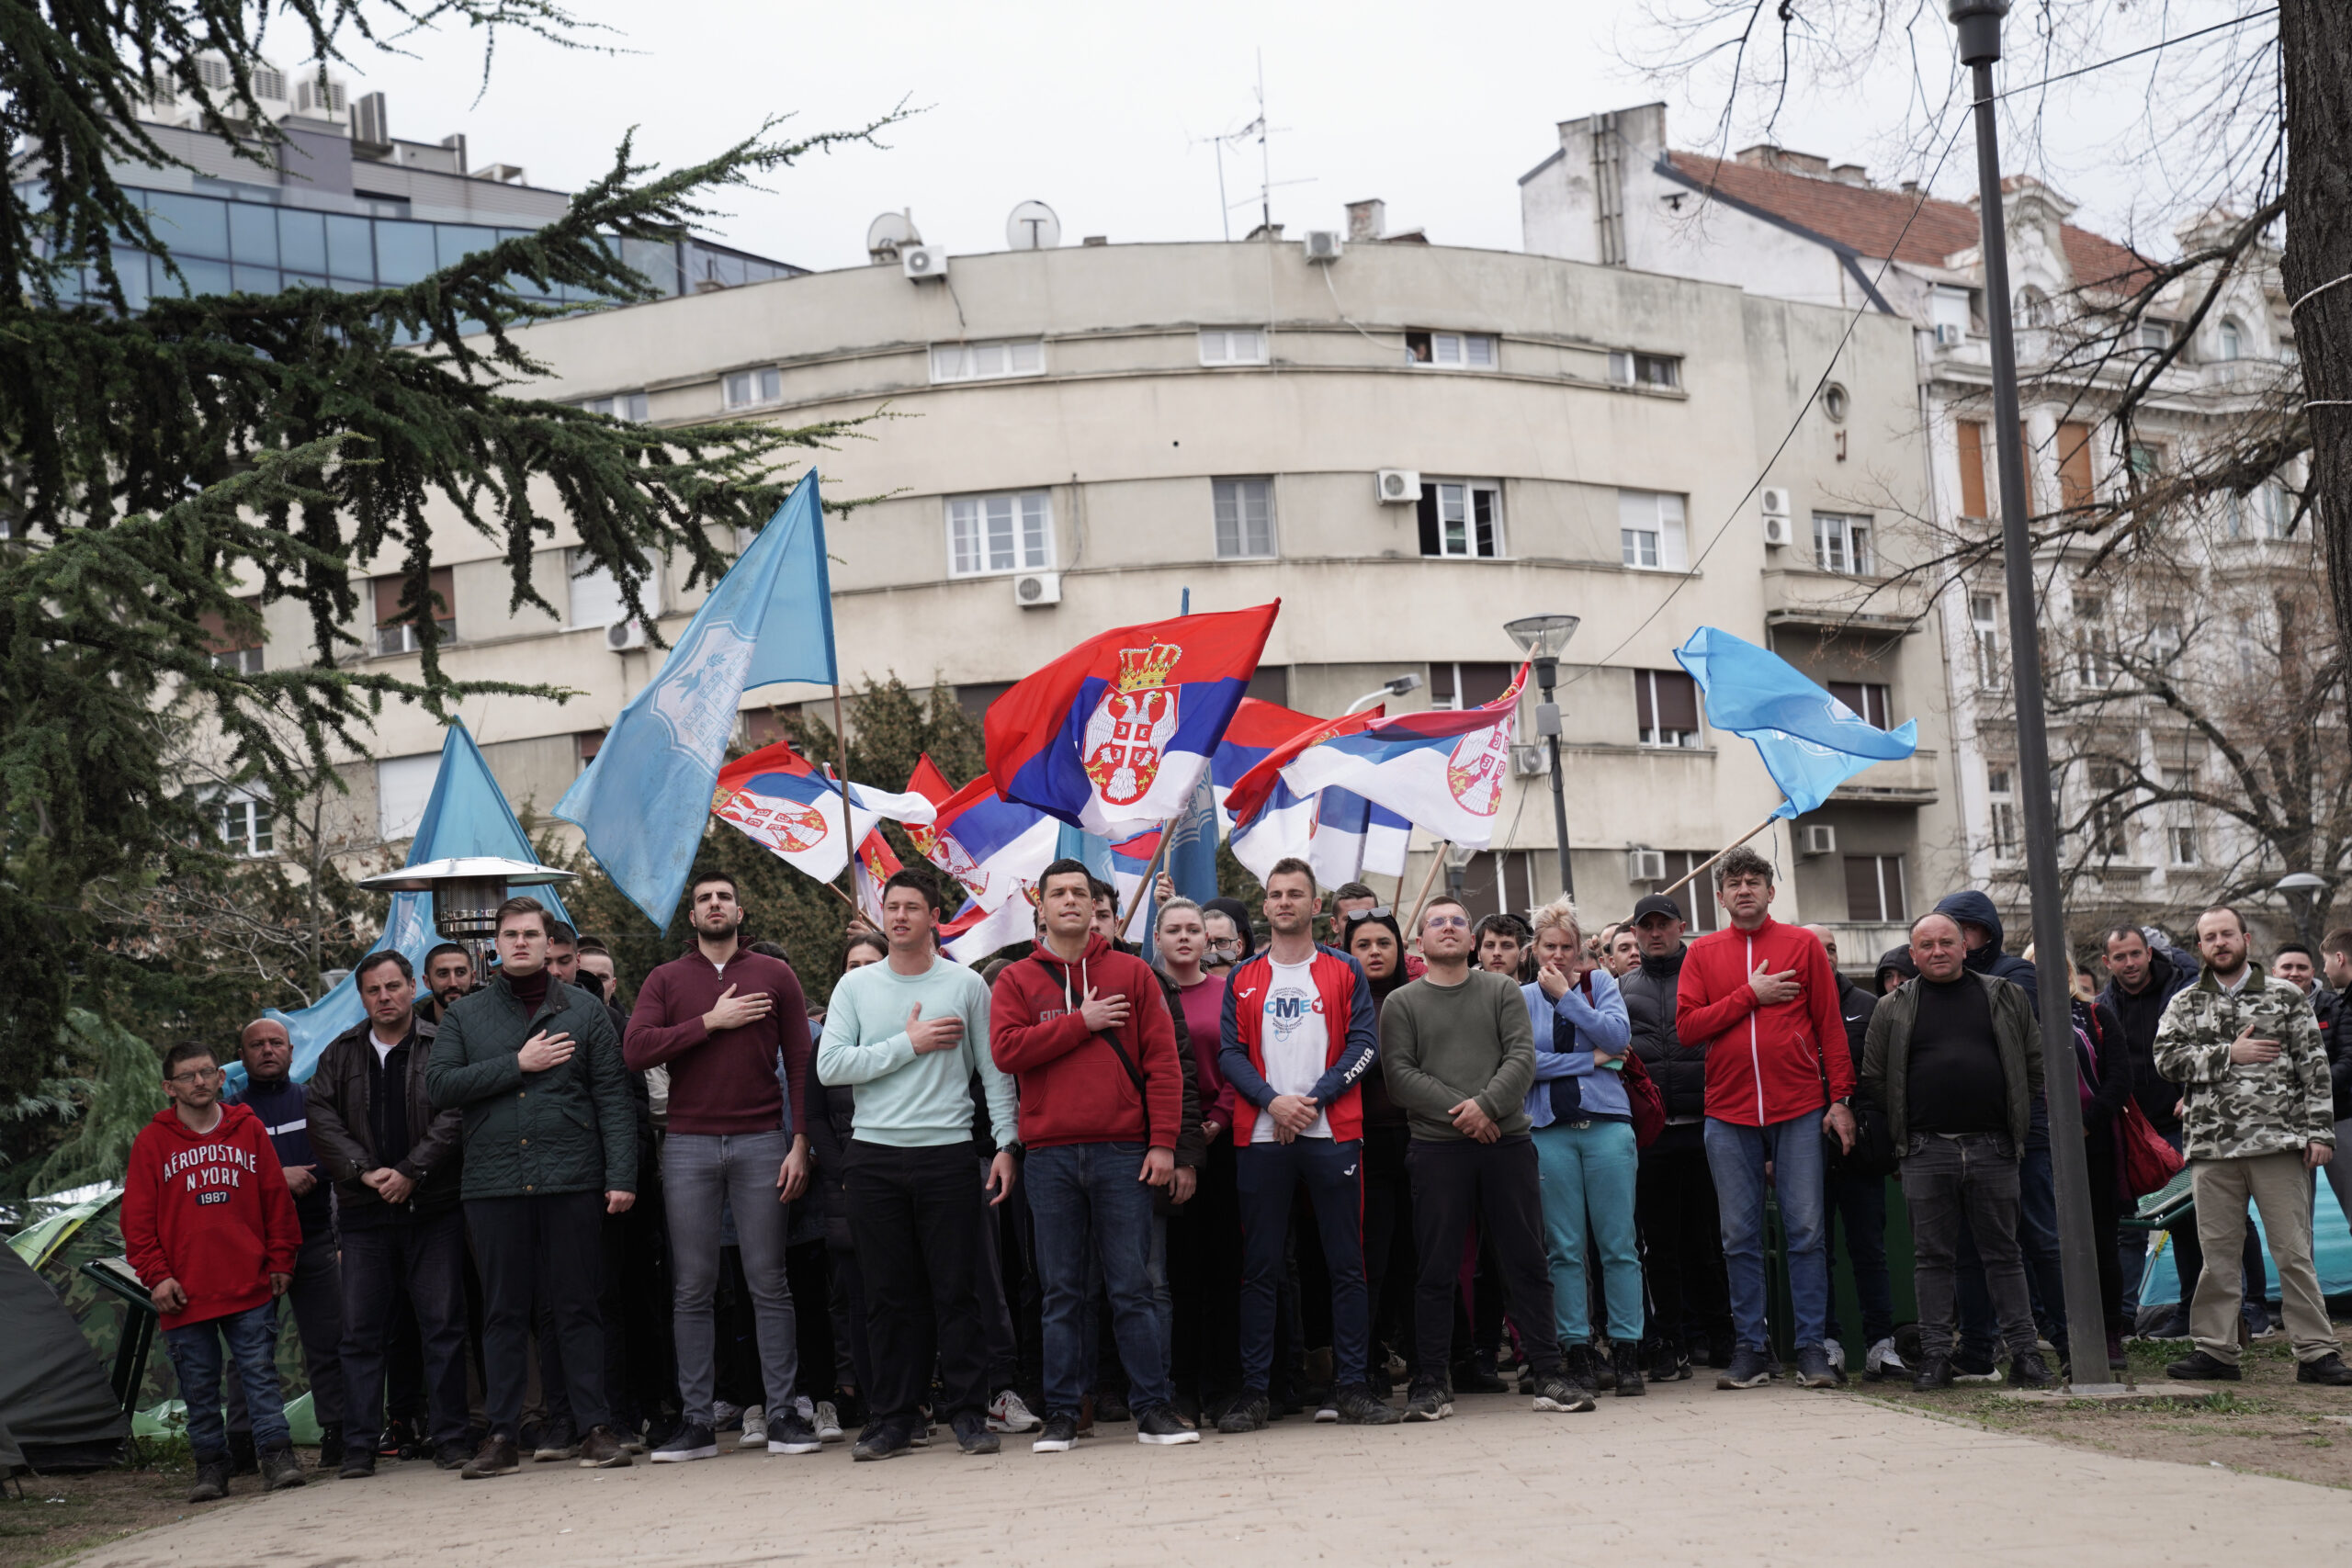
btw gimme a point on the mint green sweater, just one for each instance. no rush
(904, 1100)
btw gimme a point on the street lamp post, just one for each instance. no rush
(1979, 24)
(1543, 638)
(2302, 890)
(1394, 686)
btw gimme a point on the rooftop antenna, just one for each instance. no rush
(1259, 131)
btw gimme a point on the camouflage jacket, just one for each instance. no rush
(2231, 1110)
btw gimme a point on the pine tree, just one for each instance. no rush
(156, 464)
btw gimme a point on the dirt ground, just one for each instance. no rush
(2267, 1425)
(60, 1514)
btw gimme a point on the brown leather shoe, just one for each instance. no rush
(497, 1456)
(602, 1450)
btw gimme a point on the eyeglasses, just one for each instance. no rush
(1229, 947)
(189, 1080)
(1447, 923)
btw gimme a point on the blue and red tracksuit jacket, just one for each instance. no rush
(1343, 998)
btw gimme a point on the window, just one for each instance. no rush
(2155, 335)
(1462, 518)
(1950, 307)
(1697, 899)
(2249, 646)
(1985, 624)
(1505, 881)
(1874, 893)
(2180, 818)
(1866, 699)
(2034, 306)
(403, 785)
(749, 388)
(394, 635)
(2166, 636)
(2272, 505)
(239, 650)
(2094, 642)
(2232, 339)
(2110, 814)
(1650, 532)
(1630, 369)
(1232, 345)
(1973, 457)
(1450, 351)
(2003, 813)
(589, 742)
(998, 533)
(1271, 684)
(2074, 465)
(1467, 685)
(1245, 518)
(973, 697)
(986, 361)
(596, 598)
(1666, 708)
(2147, 459)
(631, 406)
(246, 826)
(1842, 544)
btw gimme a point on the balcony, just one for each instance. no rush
(1911, 781)
(1860, 942)
(1829, 604)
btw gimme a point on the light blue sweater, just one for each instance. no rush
(1567, 1035)
(905, 1100)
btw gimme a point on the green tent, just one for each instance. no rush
(58, 1411)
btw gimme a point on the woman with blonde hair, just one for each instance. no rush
(1584, 1146)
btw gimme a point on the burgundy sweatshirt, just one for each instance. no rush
(722, 1083)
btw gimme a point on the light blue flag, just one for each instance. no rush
(643, 802)
(466, 815)
(1811, 742)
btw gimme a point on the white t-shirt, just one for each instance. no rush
(1293, 1041)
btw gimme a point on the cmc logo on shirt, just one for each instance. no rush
(1287, 1009)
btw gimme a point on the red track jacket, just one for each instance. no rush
(1764, 1063)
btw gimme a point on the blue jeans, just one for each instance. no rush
(699, 1170)
(1333, 1172)
(1857, 1206)
(195, 1350)
(1587, 1171)
(1735, 1157)
(1086, 1203)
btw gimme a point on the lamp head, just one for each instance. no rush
(1398, 685)
(1542, 637)
(2301, 882)
(1979, 22)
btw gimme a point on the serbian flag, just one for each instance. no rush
(990, 845)
(774, 795)
(1258, 727)
(1130, 864)
(1442, 771)
(976, 933)
(1112, 736)
(875, 867)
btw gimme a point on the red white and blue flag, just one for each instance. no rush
(1112, 736)
(1338, 833)
(1441, 770)
(876, 864)
(992, 846)
(776, 797)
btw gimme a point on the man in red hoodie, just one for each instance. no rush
(1084, 1029)
(1761, 999)
(209, 1223)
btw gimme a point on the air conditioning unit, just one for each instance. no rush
(1777, 532)
(1033, 588)
(1531, 762)
(622, 635)
(1645, 865)
(1323, 244)
(1950, 334)
(1400, 487)
(1820, 839)
(920, 262)
(1775, 500)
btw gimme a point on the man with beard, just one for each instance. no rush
(721, 1016)
(448, 974)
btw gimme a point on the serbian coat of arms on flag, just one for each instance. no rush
(1131, 725)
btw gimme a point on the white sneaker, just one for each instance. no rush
(1008, 1414)
(1883, 1362)
(827, 1422)
(1837, 1350)
(755, 1428)
(725, 1417)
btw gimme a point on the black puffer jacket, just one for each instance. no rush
(1678, 1070)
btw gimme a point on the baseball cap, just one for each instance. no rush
(1657, 904)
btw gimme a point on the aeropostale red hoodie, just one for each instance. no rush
(209, 1210)
(1073, 1089)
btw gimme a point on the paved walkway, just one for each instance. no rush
(1683, 1475)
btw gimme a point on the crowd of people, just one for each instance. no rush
(1252, 1177)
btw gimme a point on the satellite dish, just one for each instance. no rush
(1032, 227)
(890, 233)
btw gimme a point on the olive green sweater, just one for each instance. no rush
(1443, 1044)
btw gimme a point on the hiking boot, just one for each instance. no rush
(972, 1435)
(691, 1441)
(1748, 1369)
(1575, 1366)
(211, 1479)
(330, 1446)
(602, 1450)
(2028, 1370)
(2199, 1366)
(1361, 1407)
(1626, 1355)
(1009, 1412)
(244, 1460)
(789, 1432)
(1058, 1433)
(884, 1440)
(1814, 1369)
(497, 1456)
(1935, 1373)
(1604, 1370)
(356, 1466)
(1249, 1412)
(281, 1470)
(1427, 1402)
(1554, 1391)
(1163, 1428)
(556, 1441)
(2328, 1369)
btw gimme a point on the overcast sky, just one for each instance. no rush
(1102, 110)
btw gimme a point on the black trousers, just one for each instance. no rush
(1674, 1200)
(1498, 1183)
(1389, 1268)
(915, 1215)
(548, 1252)
(1204, 1275)
(417, 1262)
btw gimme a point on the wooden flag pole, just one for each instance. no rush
(1143, 889)
(1692, 876)
(1437, 859)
